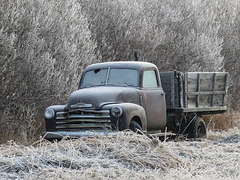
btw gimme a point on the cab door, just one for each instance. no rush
(153, 100)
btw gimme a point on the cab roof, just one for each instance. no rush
(138, 65)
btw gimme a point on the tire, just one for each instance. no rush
(135, 127)
(197, 129)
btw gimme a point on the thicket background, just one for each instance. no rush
(44, 45)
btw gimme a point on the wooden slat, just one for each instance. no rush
(206, 92)
(225, 88)
(186, 90)
(217, 108)
(213, 89)
(198, 89)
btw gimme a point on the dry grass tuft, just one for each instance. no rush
(223, 121)
(108, 157)
(126, 156)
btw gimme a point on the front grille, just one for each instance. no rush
(83, 117)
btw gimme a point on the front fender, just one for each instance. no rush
(51, 123)
(130, 111)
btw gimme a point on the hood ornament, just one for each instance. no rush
(81, 105)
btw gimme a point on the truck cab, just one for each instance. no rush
(111, 97)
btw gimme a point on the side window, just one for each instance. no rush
(149, 79)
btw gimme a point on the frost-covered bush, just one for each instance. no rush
(44, 47)
(174, 35)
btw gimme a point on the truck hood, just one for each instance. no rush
(98, 96)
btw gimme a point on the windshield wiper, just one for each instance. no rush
(112, 84)
(122, 85)
(131, 85)
(92, 85)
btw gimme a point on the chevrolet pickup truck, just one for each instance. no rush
(114, 96)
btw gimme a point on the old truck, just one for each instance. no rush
(114, 96)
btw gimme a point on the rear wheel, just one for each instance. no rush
(197, 128)
(135, 127)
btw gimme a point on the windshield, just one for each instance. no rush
(110, 77)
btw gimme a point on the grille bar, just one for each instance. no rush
(77, 126)
(92, 111)
(86, 110)
(79, 116)
(85, 121)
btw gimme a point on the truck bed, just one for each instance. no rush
(202, 92)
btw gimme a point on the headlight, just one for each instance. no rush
(116, 111)
(49, 113)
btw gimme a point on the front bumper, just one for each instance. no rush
(58, 135)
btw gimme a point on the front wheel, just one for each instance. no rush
(135, 127)
(197, 128)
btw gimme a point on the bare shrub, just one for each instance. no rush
(44, 47)
(174, 35)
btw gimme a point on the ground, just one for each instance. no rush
(126, 156)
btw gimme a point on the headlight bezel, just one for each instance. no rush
(116, 111)
(49, 113)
